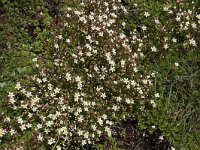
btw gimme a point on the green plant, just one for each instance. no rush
(172, 32)
(87, 82)
(70, 71)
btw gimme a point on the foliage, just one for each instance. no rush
(71, 71)
(89, 82)
(173, 28)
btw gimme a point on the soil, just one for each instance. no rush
(129, 138)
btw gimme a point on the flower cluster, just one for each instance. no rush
(94, 80)
(176, 28)
(185, 30)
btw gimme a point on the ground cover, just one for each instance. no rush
(99, 75)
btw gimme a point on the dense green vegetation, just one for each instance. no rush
(42, 39)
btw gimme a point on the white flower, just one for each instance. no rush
(174, 40)
(68, 16)
(106, 4)
(172, 148)
(82, 19)
(161, 137)
(192, 42)
(93, 103)
(37, 65)
(86, 135)
(46, 131)
(122, 63)
(144, 28)
(83, 142)
(114, 107)
(126, 81)
(80, 119)
(166, 46)
(28, 125)
(2, 132)
(96, 68)
(56, 46)
(108, 130)
(91, 17)
(146, 14)
(28, 94)
(153, 103)
(19, 120)
(51, 141)
(157, 95)
(157, 21)
(76, 96)
(123, 24)
(60, 37)
(11, 95)
(12, 132)
(154, 49)
(104, 116)
(128, 101)
(133, 83)
(103, 95)
(34, 109)
(99, 132)
(68, 76)
(39, 126)
(7, 119)
(100, 34)
(64, 129)
(94, 127)
(77, 12)
(49, 123)
(58, 147)
(18, 86)
(194, 25)
(166, 8)
(58, 113)
(119, 99)
(39, 137)
(80, 132)
(78, 79)
(79, 110)
(30, 115)
(34, 59)
(100, 121)
(144, 81)
(68, 40)
(94, 51)
(44, 79)
(57, 90)
(178, 18)
(50, 87)
(189, 12)
(39, 80)
(23, 90)
(63, 108)
(88, 54)
(23, 127)
(176, 64)
(88, 37)
(198, 16)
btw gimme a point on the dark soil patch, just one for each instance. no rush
(53, 9)
(129, 138)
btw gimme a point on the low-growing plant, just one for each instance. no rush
(92, 79)
(171, 29)
(74, 70)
